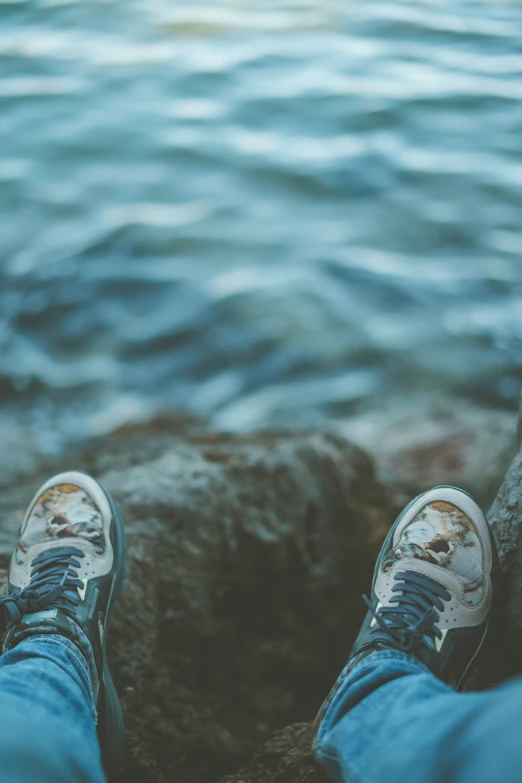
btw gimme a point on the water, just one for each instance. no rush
(271, 214)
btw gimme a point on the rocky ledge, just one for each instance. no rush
(248, 556)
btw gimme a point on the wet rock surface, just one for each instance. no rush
(248, 556)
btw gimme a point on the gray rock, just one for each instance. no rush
(248, 556)
(285, 758)
(505, 517)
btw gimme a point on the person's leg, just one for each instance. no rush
(391, 715)
(391, 720)
(47, 714)
(59, 711)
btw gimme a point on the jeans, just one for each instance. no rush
(391, 721)
(47, 714)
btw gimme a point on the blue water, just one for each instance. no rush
(271, 214)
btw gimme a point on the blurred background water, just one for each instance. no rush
(277, 213)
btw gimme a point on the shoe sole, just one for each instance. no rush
(111, 732)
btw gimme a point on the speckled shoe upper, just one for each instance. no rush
(66, 572)
(63, 511)
(432, 588)
(442, 534)
(75, 511)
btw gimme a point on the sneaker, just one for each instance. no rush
(66, 573)
(432, 588)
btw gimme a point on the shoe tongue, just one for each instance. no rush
(447, 579)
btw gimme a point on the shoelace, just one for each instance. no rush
(53, 585)
(415, 615)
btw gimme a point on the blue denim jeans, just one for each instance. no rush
(391, 721)
(47, 714)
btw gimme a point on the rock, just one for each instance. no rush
(437, 440)
(20, 454)
(505, 517)
(248, 556)
(285, 758)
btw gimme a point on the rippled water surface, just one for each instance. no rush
(271, 213)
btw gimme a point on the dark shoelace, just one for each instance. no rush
(414, 615)
(53, 585)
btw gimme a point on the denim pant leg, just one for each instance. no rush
(391, 721)
(47, 714)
